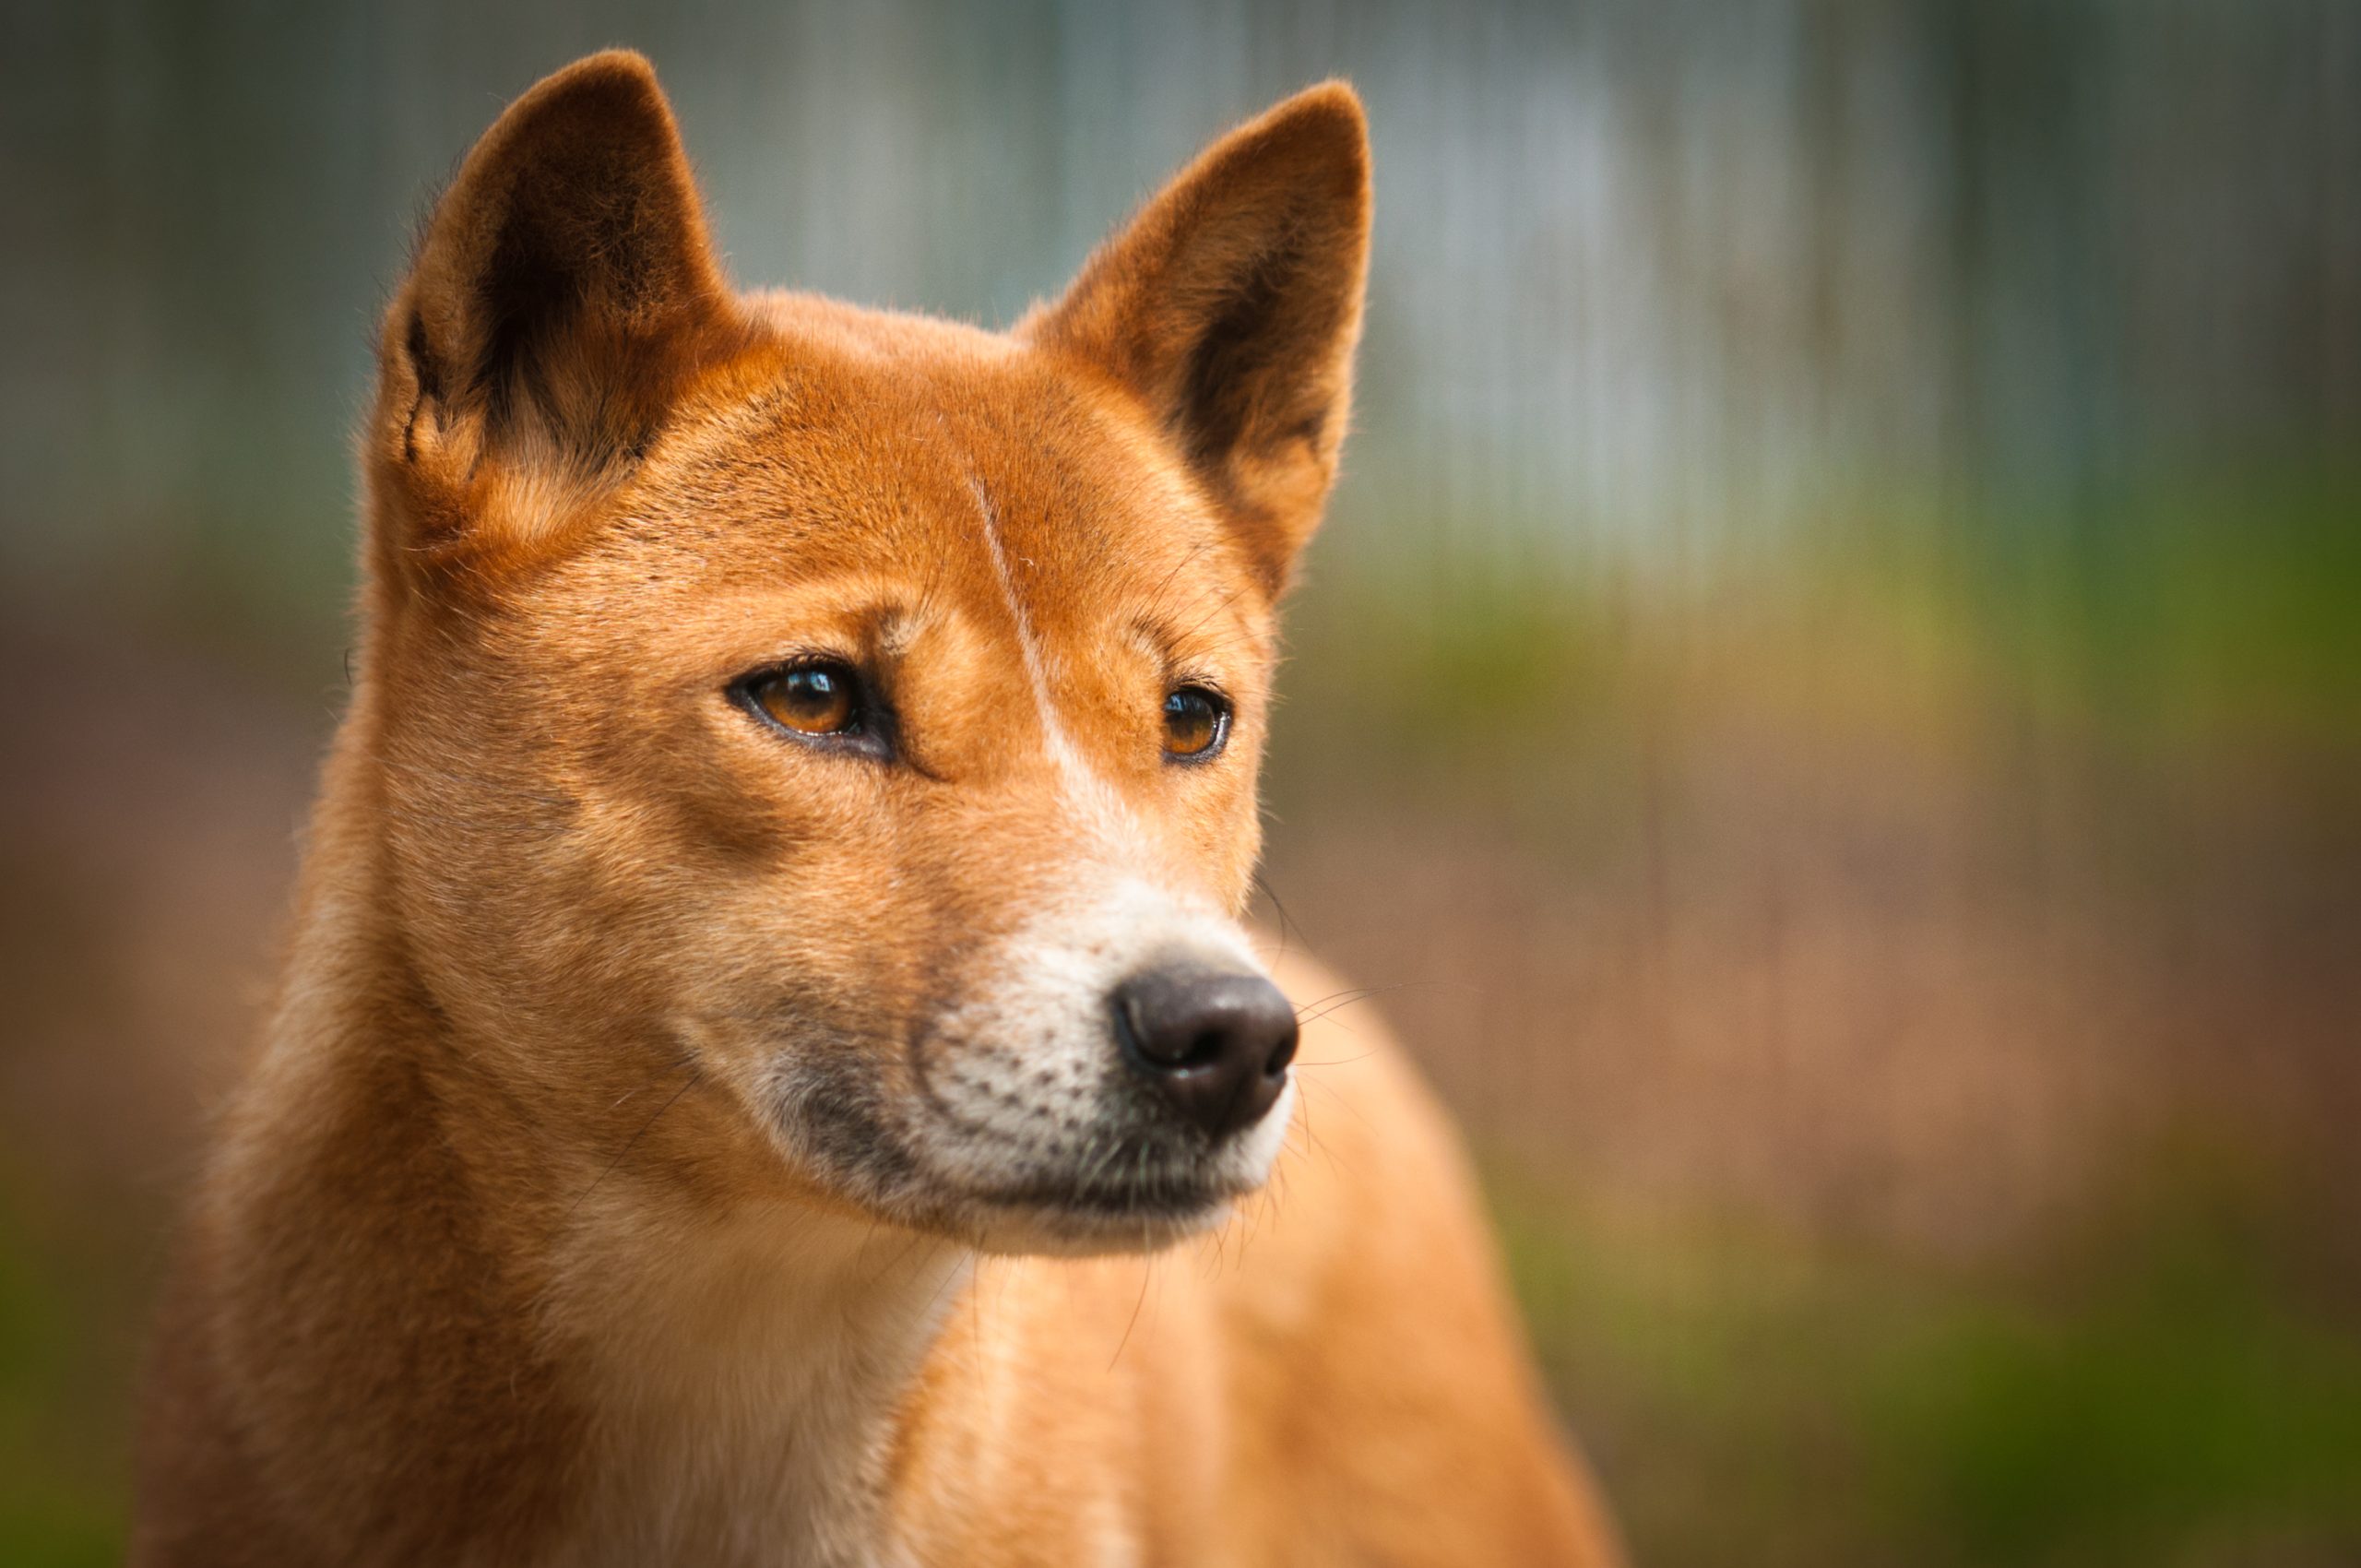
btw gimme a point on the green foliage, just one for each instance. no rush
(1753, 1398)
(2170, 623)
(53, 1513)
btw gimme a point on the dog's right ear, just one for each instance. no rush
(1230, 306)
(562, 294)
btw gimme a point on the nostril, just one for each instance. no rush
(1203, 1052)
(1281, 1054)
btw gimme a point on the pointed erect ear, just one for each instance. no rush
(562, 294)
(1230, 305)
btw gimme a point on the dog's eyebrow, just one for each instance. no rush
(898, 628)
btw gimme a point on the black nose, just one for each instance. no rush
(1215, 1042)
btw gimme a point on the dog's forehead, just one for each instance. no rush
(937, 454)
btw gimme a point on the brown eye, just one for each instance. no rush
(1196, 721)
(811, 699)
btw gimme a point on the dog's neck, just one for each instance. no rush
(743, 1371)
(738, 1357)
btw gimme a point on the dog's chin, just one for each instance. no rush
(1097, 1225)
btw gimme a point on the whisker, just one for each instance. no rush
(1346, 1105)
(696, 1075)
(1288, 928)
(1342, 999)
(1148, 1272)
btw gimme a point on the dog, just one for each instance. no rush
(769, 1070)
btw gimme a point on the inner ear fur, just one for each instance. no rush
(1230, 305)
(563, 293)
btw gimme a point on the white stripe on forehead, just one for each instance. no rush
(1085, 790)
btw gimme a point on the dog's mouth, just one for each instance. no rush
(1100, 1217)
(1170, 1196)
(1137, 1192)
(1137, 1189)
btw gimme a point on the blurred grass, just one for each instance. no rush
(1762, 1397)
(63, 1393)
(2211, 608)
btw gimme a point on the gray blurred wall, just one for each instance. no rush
(1651, 276)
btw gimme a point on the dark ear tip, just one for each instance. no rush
(610, 68)
(1316, 140)
(1327, 113)
(560, 127)
(613, 81)
(1333, 101)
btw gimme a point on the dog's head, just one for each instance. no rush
(855, 717)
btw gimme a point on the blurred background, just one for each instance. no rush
(1830, 698)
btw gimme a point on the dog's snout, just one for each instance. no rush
(1215, 1043)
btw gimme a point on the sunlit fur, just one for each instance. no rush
(680, 1140)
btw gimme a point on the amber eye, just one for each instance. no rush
(1196, 722)
(821, 698)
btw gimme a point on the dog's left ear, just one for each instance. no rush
(564, 293)
(1230, 305)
